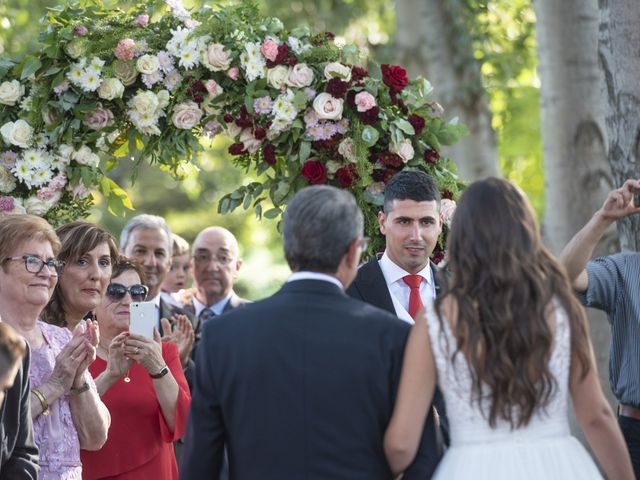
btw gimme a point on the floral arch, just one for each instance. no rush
(146, 84)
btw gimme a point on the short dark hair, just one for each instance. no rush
(410, 185)
(319, 225)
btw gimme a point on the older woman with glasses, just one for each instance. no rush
(142, 383)
(66, 409)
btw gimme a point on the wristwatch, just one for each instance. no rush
(163, 371)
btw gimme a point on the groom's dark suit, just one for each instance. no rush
(300, 385)
(370, 286)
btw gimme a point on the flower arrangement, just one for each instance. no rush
(110, 86)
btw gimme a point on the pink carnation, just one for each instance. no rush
(270, 49)
(142, 20)
(46, 193)
(126, 49)
(233, 73)
(6, 204)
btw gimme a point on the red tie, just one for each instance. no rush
(415, 302)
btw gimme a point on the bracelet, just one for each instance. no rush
(82, 388)
(160, 374)
(43, 401)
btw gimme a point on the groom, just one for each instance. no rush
(403, 279)
(302, 384)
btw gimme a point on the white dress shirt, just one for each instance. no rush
(304, 275)
(393, 275)
(216, 308)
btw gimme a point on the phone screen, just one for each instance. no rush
(143, 318)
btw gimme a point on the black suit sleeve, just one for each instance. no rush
(23, 462)
(202, 455)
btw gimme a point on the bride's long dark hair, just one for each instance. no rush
(504, 281)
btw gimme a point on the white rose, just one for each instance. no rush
(346, 148)
(126, 71)
(7, 181)
(35, 206)
(65, 151)
(145, 103)
(11, 92)
(18, 133)
(404, 150)
(277, 76)
(186, 115)
(110, 88)
(332, 167)
(163, 98)
(447, 209)
(216, 58)
(336, 69)
(327, 107)
(251, 143)
(148, 64)
(76, 48)
(85, 156)
(300, 76)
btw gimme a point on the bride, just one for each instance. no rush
(507, 344)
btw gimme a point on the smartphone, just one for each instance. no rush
(143, 318)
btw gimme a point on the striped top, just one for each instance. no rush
(614, 286)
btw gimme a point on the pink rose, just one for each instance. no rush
(126, 49)
(213, 88)
(216, 58)
(142, 20)
(186, 115)
(300, 75)
(270, 49)
(98, 119)
(234, 73)
(404, 150)
(447, 209)
(365, 101)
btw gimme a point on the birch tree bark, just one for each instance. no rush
(429, 45)
(619, 42)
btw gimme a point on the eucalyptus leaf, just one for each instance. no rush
(31, 66)
(272, 213)
(405, 126)
(370, 136)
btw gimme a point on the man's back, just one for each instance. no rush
(301, 385)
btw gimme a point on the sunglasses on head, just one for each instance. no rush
(117, 291)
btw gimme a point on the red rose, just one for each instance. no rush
(236, 148)
(315, 172)
(394, 77)
(269, 154)
(417, 122)
(347, 176)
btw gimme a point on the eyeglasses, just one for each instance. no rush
(34, 264)
(117, 291)
(204, 259)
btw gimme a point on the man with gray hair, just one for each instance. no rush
(301, 384)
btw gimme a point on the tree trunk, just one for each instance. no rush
(427, 44)
(619, 43)
(577, 175)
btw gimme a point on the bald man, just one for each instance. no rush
(215, 265)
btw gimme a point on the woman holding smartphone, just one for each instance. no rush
(141, 382)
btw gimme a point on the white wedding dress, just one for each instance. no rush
(544, 449)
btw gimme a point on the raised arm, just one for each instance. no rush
(417, 384)
(575, 255)
(598, 422)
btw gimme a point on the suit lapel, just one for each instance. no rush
(373, 287)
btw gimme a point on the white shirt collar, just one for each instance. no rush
(314, 276)
(217, 307)
(393, 272)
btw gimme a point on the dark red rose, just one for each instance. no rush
(417, 122)
(447, 194)
(236, 148)
(431, 156)
(370, 117)
(228, 117)
(244, 122)
(394, 77)
(336, 87)
(197, 98)
(281, 57)
(259, 133)
(269, 154)
(358, 74)
(315, 172)
(391, 159)
(382, 175)
(347, 176)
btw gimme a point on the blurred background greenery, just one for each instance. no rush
(503, 38)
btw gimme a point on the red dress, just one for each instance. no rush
(140, 445)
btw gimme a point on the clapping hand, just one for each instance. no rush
(620, 202)
(68, 362)
(182, 335)
(89, 331)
